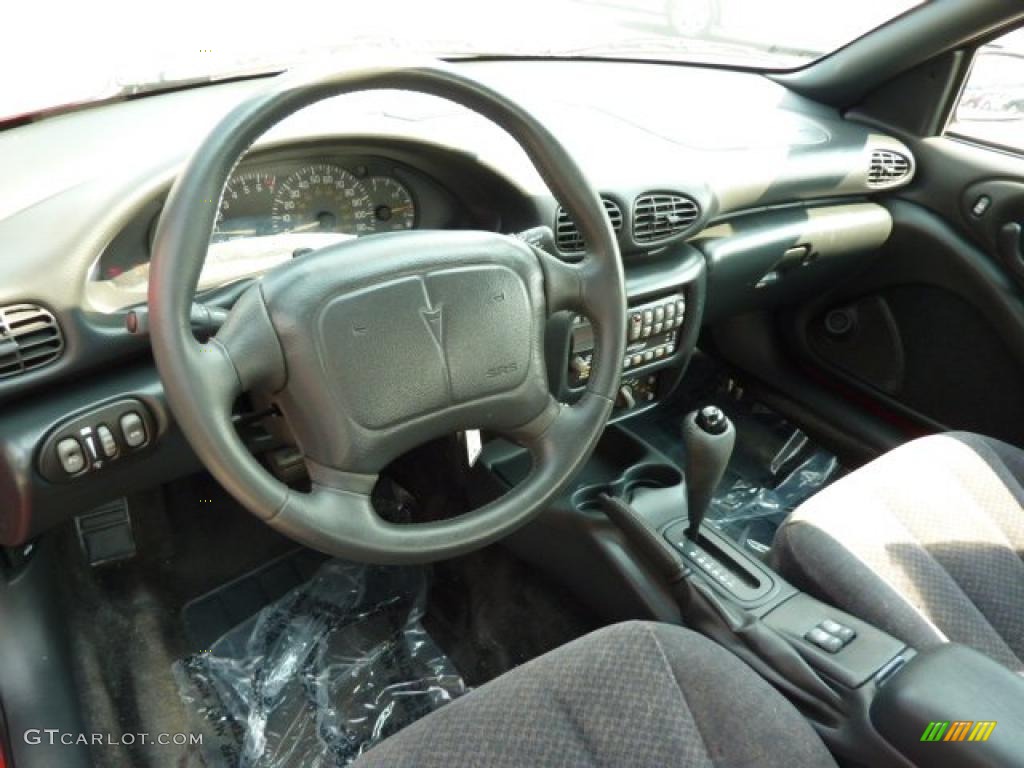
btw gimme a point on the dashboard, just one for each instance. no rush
(761, 199)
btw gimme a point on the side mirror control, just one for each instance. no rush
(93, 440)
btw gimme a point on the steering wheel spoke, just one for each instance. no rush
(249, 340)
(563, 283)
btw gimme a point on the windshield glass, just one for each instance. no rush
(100, 49)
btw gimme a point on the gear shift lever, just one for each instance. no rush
(709, 437)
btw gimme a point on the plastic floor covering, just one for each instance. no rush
(321, 674)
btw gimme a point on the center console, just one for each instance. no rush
(665, 309)
(627, 538)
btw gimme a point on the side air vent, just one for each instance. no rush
(888, 168)
(657, 217)
(568, 237)
(29, 338)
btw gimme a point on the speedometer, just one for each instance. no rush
(322, 198)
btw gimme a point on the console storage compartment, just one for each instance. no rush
(953, 706)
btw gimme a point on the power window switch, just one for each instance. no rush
(845, 634)
(833, 644)
(70, 455)
(133, 429)
(824, 640)
(107, 442)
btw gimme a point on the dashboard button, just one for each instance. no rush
(648, 316)
(659, 314)
(133, 429)
(107, 442)
(670, 311)
(658, 328)
(69, 452)
(636, 325)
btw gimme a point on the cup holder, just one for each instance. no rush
(653, 477)
(638, 478)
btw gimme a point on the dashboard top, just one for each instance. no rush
(736, 133)
(76, 186)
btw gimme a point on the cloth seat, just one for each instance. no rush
(634, 694)
(925, 543)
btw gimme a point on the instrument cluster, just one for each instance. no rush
(287, 202)
(319, 197)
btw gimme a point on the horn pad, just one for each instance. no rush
(432, 341)
(391, 341)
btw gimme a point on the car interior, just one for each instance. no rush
(584, 409)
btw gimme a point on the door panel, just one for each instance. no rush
(934, 329)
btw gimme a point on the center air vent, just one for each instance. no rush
(29, 338)
(658, 216)
(567, 235)
(888, 168)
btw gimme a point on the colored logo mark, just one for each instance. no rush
(959, 730)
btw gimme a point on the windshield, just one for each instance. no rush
(96, 50)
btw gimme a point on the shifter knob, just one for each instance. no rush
(712, 420)
(708, 438)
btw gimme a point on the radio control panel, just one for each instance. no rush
(652, 336)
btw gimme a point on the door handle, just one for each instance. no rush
(1010, 244)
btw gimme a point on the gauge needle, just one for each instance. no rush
(306, 227)
(237, 232)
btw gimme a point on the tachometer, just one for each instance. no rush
(392, 204)
(244, 207)
(323, 198)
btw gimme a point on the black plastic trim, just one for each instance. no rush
(30, 504)
(37, 685)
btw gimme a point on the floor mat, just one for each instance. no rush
(322, 674)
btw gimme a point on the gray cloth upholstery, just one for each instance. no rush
(635, 694)
(924, 542)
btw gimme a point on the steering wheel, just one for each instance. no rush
(374, 346)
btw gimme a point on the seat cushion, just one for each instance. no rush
(924, 542)
(634, 694)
